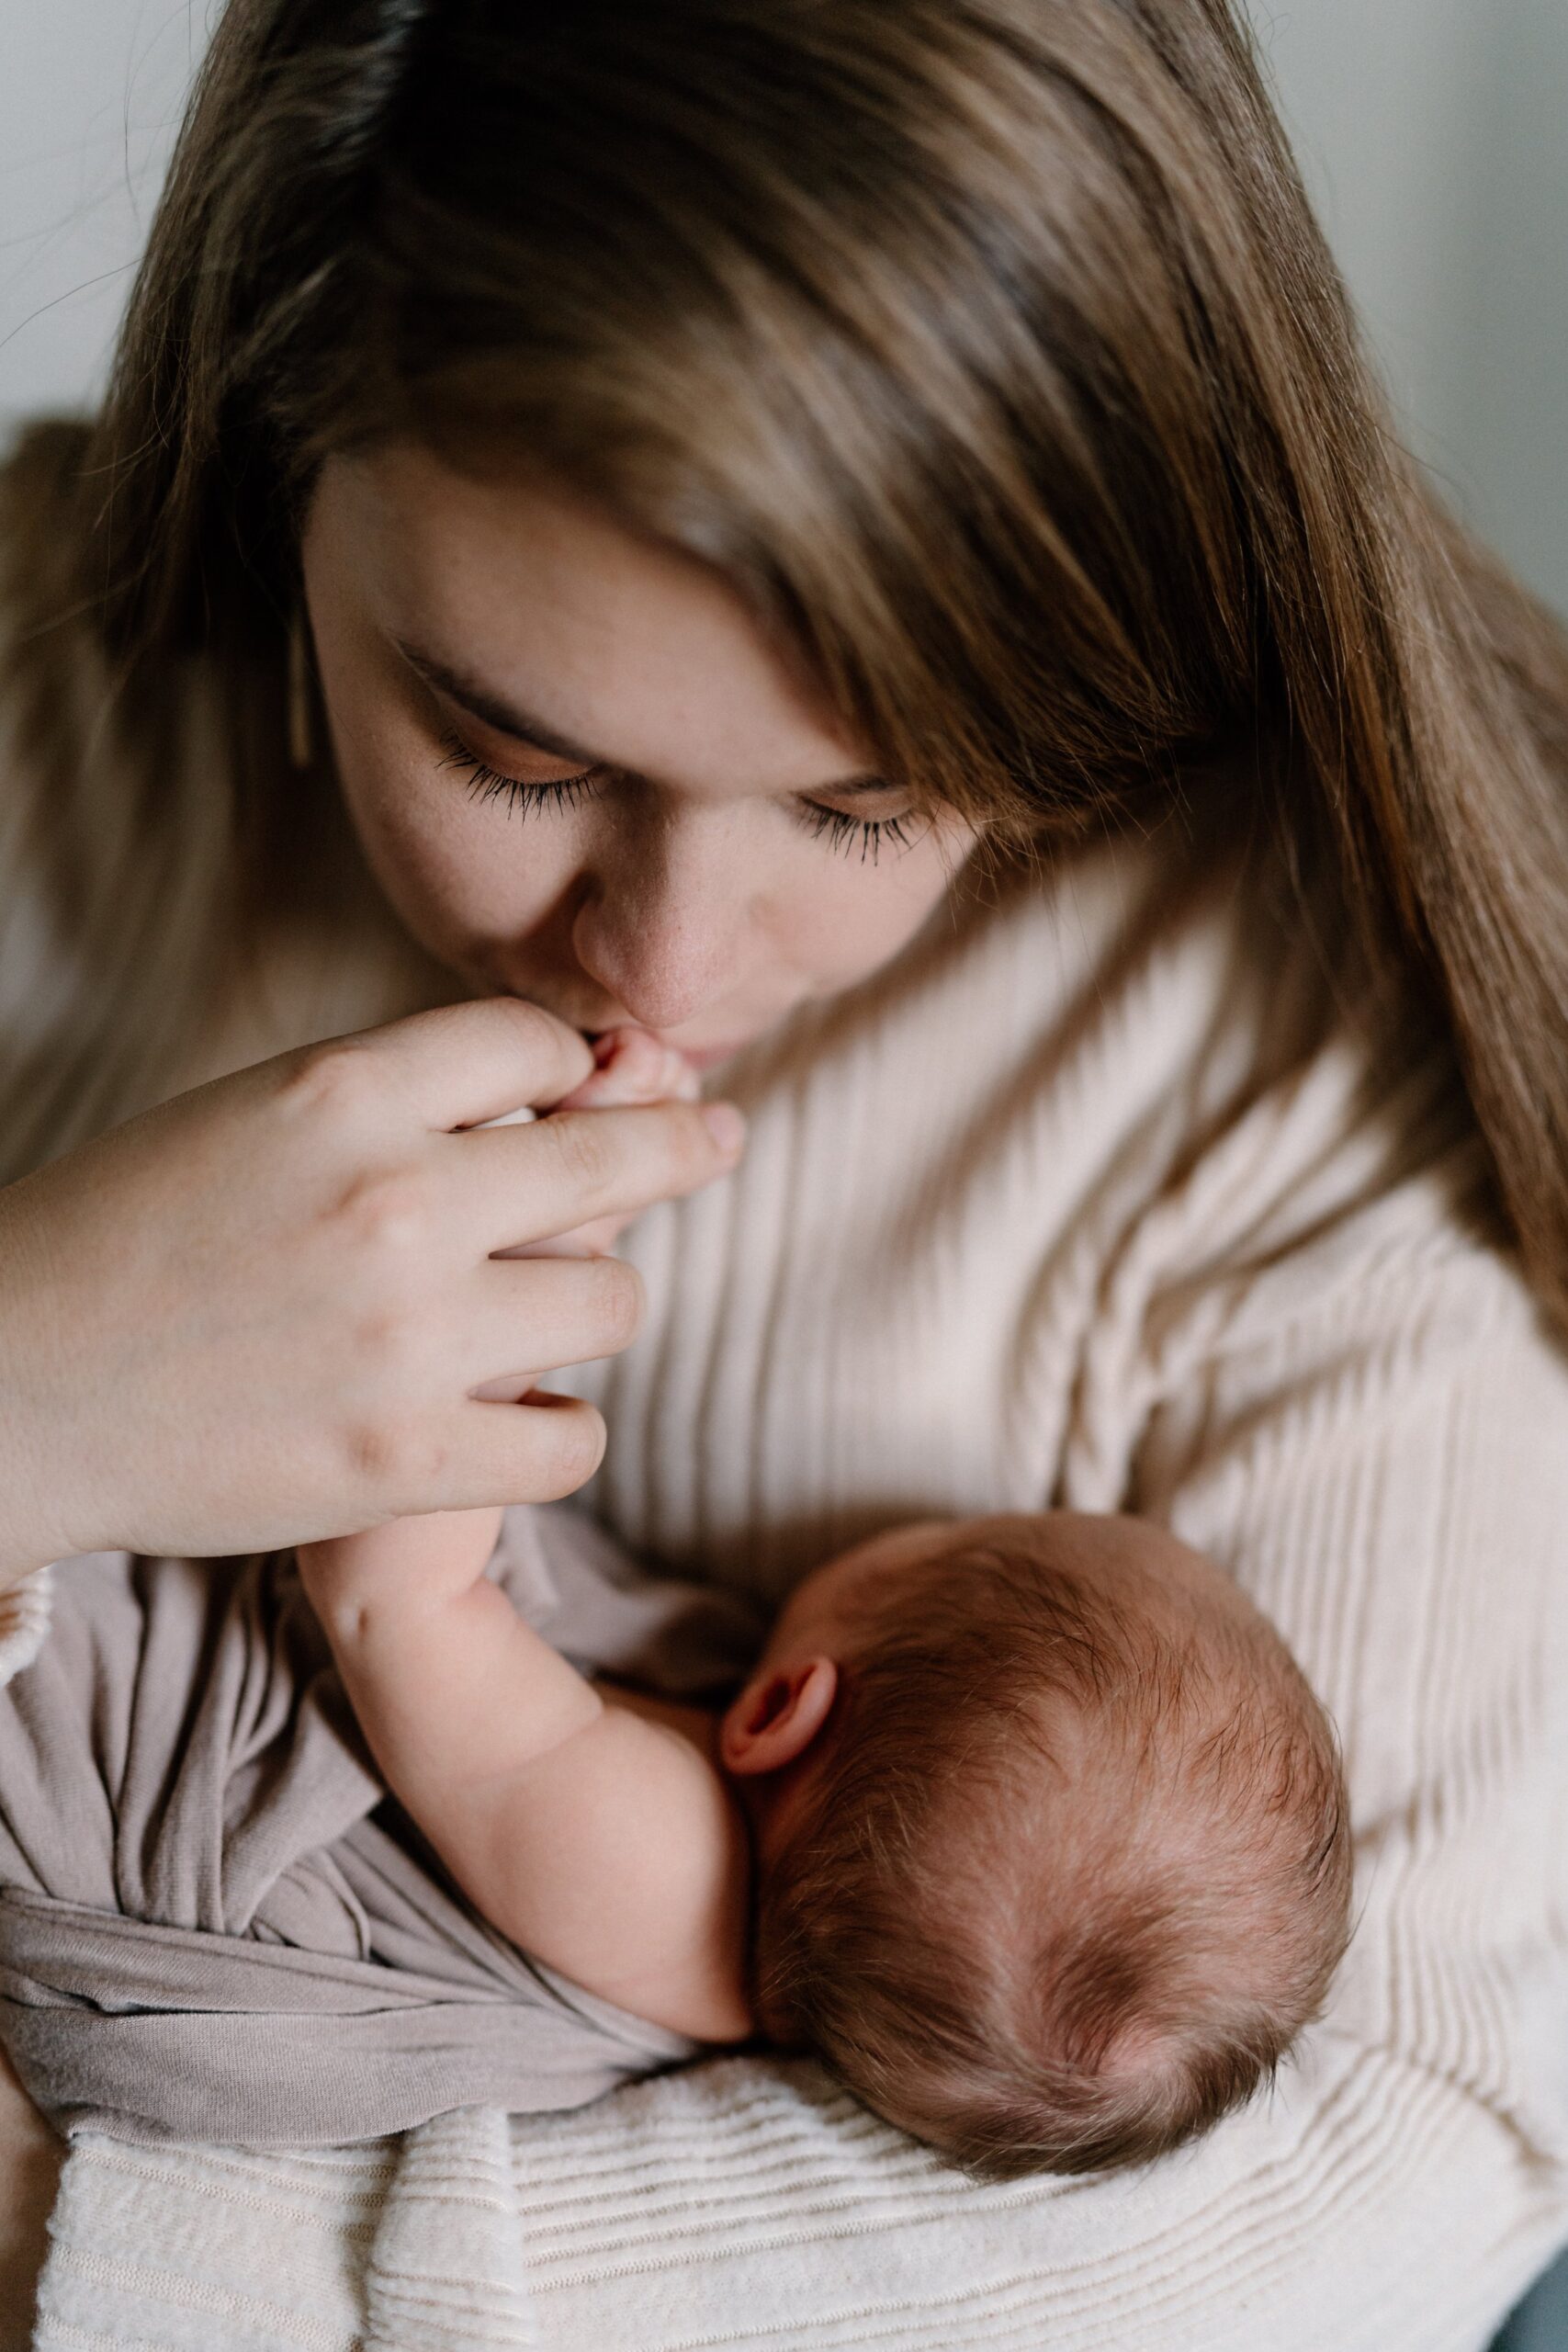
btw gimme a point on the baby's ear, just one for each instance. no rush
(778, 1715)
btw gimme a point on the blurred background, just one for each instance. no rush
(1434, 134)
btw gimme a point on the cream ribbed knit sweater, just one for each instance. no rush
(1085, 1201)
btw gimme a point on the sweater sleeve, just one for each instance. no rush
(1374, 1442)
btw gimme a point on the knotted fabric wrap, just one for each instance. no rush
(215, 1926)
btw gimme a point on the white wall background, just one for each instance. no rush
(90, 96)
(1434, 133)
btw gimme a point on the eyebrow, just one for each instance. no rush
(527, 726)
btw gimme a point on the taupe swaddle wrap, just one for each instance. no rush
(215, 1926)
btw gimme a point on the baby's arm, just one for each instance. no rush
(604, 1842)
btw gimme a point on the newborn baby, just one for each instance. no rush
(1030, 1828)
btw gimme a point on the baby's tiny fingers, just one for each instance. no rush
(629, 1068)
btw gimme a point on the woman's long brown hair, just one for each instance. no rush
(990, 348)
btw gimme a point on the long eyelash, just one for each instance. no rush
(486, 783)
(841, 831)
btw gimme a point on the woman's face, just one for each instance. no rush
(578, 773)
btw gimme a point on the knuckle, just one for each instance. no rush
(391, 1337)
(393, 1458)
(691, 1145)
(584, 1147)
(390, 1209)
(374, 1451)
(619, 1300)
(332, 1077)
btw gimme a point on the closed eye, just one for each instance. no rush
(486, 783)
(841, 831)
(556, 795)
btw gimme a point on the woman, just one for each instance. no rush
(889, 497)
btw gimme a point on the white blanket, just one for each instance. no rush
(755, 2208)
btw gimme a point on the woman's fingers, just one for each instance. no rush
(539, 1312)
(544, 1448)
(470, 1454)
(575, 1166)
(260, 1312)
(454, 1065)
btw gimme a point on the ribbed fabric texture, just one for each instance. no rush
(1086, 1201)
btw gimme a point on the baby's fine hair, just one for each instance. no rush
(1074, 1871)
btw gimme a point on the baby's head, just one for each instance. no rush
(1053, 1857)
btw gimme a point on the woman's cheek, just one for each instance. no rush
(439, 867)
(863, 921)
(432, 849)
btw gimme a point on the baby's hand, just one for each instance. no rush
(401, 1565)
(634, 1066)
(631, 1066)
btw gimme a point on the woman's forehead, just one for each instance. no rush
(541, 606)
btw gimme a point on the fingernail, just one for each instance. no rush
(726, 1126)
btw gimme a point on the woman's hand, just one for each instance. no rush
(432, 1558)
(630, 1065)
(260, 1313)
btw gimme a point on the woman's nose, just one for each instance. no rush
(662, 950)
